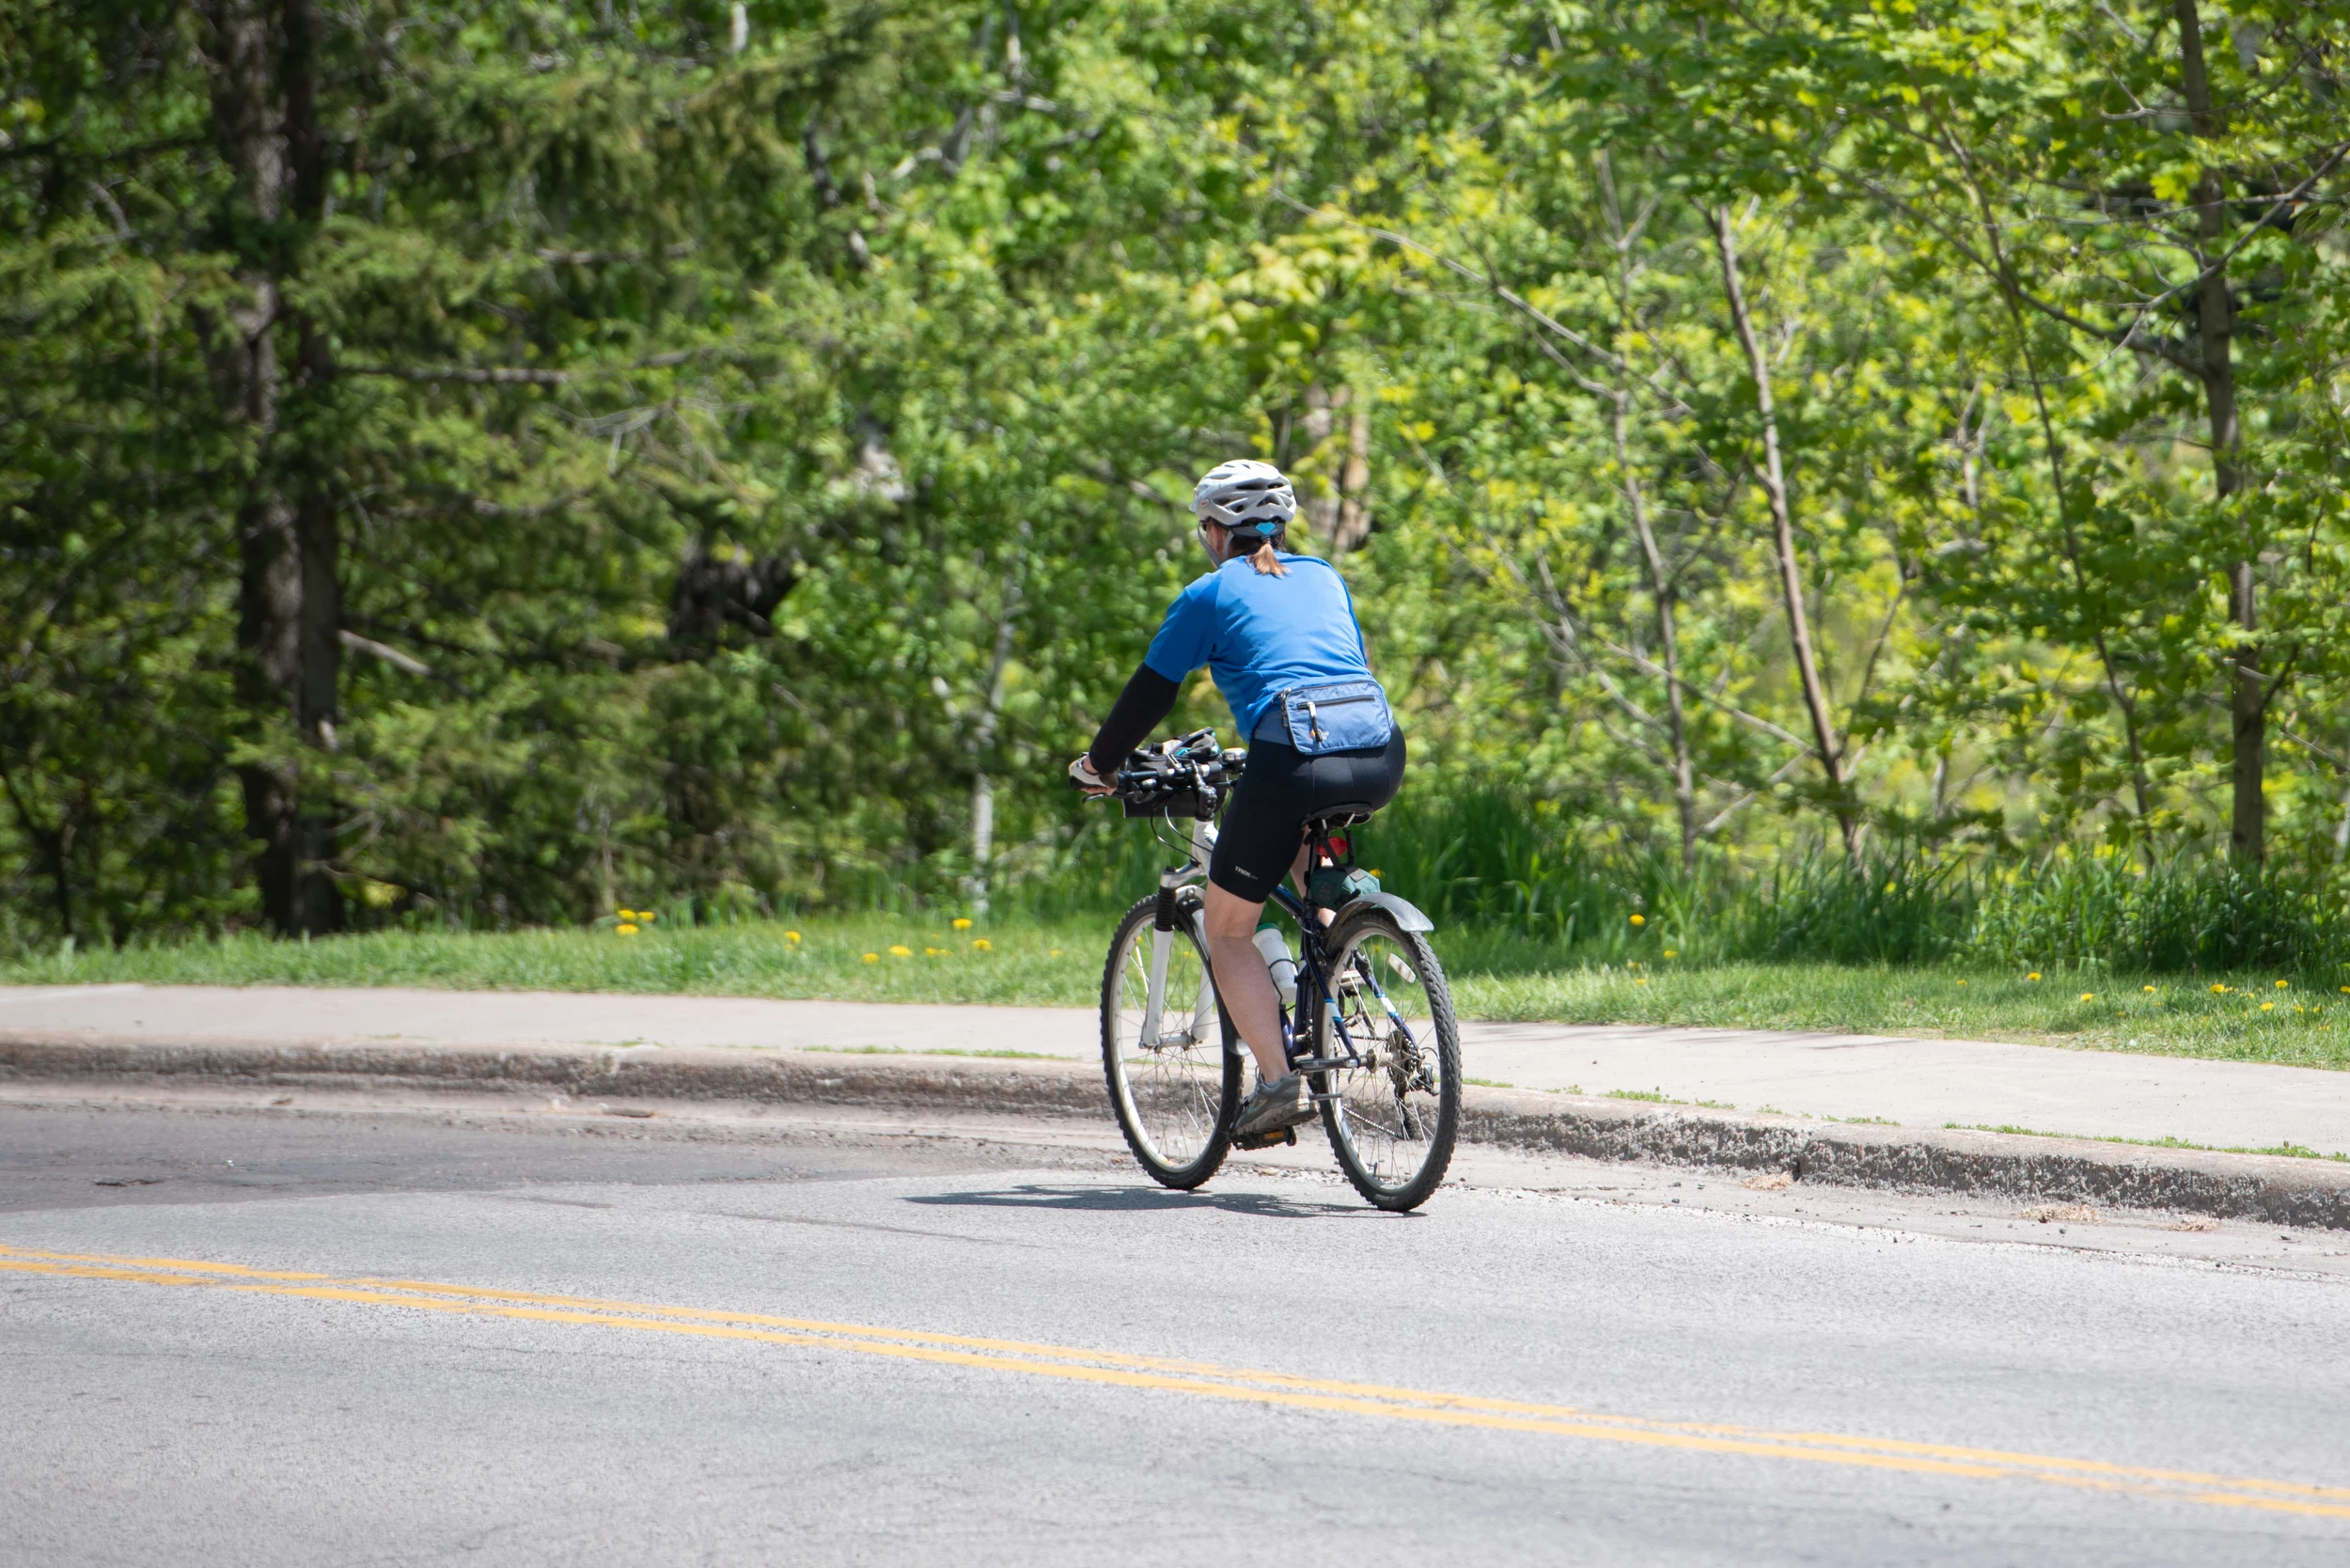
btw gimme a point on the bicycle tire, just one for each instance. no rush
(1177, 1112)
(1393, 1122)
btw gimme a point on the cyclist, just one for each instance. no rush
(1274, 629)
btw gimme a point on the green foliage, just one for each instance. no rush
(741, 471)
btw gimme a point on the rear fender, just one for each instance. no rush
(1405, 915)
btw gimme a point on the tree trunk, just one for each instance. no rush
(54, 846)
(1783, 525)
(317, 540)
(1635, 495)
(1341, 518)
(317, 515)
(984, 738)
(2215, 327)
(289, 620)
(1668, 650)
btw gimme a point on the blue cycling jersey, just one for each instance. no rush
(1260, 635)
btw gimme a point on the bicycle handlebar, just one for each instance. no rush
(1192, 765)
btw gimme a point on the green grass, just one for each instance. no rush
(2306, 1023)
(1496, 976)
(2284, 1151)
(1029, 965)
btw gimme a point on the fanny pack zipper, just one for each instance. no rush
(1313, 713)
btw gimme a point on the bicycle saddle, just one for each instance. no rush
(1344, 814)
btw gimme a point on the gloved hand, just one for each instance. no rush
(1082, 776)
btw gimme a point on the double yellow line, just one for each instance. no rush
(1201, 1380)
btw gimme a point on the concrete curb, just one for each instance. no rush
(599, 1072)
(2292, 1192)
(2310, 1193)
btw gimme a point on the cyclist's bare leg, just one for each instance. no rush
(1240, 977)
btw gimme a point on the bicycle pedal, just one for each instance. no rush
(1286, 1137)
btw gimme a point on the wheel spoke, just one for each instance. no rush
(1390, 1115)
(1173, 1080)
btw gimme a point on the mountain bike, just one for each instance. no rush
(1368, 1016)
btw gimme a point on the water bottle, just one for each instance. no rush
(1278, 961)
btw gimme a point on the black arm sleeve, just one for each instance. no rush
(1148, 697)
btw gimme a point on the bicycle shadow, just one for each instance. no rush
(1145, 1200)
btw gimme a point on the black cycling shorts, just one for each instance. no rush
(1264, 825)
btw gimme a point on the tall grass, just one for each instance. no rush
(1512, 867)
(1520, 888)
(1523, 876)
(1490, 861)
(2176, 916)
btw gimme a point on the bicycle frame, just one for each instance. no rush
(1171, 882)
(1315, 992)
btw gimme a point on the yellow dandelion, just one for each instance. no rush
(1890, 885)
(2280, 984)
(1056, 953)
(2268, 1007)
(2089, 996)
(1670, 953)
(2033, 976)
(2218, 990)
(871, 958)
(900, 949)
(624, 929)
(981, 945)
(2145, 988)
(790, 936)
(648, 916)
(1962, 983)
(1639, 919)
(963, 922)
(932, 952)
(625, 914)
(1642, 980)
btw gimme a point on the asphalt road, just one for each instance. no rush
(353, 1334)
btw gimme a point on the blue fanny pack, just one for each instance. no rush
(1344, 715)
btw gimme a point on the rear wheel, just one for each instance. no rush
(1174, 1077)
(1393, 1119)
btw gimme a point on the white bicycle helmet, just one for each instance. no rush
(1246, 495)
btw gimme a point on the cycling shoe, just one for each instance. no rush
(1282, 1103)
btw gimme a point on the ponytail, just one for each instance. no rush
(1267, 558)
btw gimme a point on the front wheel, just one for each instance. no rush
(1174, 1077)
(1393, 1119)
